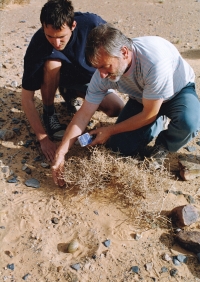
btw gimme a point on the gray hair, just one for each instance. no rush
(107, 37)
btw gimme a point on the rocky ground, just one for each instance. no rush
(39, 220)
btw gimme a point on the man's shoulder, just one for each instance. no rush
(88, 18)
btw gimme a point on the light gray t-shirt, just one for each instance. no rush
(157, 71)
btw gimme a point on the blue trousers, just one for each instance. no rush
(184, 112)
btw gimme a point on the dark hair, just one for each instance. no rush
(107, 37)
(57, 13)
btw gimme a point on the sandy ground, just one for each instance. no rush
(36, 225)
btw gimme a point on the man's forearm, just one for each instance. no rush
(32, 114)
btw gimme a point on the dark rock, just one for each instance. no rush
(182, 258)
(135, 269)
(184, 215)
(175, 261)
(11, 266)
(12, 180)
(34, 183)
(28, 170)
(190, 148)
(173, 272)
(94, 256)
(107, 243)
(2, 227)
(75, 266)
(96, 212)
(164, 269)
(189, 240)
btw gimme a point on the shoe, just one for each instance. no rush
(69, 95)
(53, 127)
(158, 156)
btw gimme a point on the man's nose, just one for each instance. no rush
(56, 42)
(103, 73)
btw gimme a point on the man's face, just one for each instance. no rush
(58, 38)
(109, 67)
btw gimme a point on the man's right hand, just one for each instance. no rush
(48, 148)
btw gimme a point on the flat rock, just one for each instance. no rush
(188, 170)
(184, 215)
(189, 240)
(32, 182)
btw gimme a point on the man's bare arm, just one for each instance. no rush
(47, 146)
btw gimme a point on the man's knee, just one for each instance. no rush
(52, 65)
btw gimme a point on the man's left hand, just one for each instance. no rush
(102, 135)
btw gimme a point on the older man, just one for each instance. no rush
(159, 83)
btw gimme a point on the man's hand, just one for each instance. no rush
(102, 135)
(48, 148)
(58, 169)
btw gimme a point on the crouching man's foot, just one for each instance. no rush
(54, 128)
(158, 156)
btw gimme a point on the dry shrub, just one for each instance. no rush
(137, 185)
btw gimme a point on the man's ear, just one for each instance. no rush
(124, 51)
(74, 25)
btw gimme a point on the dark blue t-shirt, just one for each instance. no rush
(40, 50)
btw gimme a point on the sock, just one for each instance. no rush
(49, 109)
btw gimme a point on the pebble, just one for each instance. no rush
(176, 261)
(14, 84)
(55, 220)
(12, 180)
(166, 257)
(96, 212)
(26, 276)
(32, 182)
(164, 269)
(182, 258)
(28, 171)
(45, 165)
(38, 159)
(137, 236)
(107, 243)
(173, 272)
(11, 266)
(75, 266)
(135, 269)
(2, 227)
(149, 266)
(190, 148)
(6, 134)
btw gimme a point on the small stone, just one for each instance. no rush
(14, 84)
(184, 215)
(96, 212)
(12, 180)
(137, 236)
(2, 227)
(45, 165)
(182, 258)
(34, 183)
(6, 134)
(107, 243)
(149, 266)
(190, 148)
(75, 266)
(166, 257)
(94, 257)
(38, 159)
(164, 269)
(55, 220)
(28, 171)
(176, 262)
(135, 269)
(25, 277)
(11, 266)
(8, 253)
(173, 272)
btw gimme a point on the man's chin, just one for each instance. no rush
(114, 78)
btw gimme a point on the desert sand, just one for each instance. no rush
(37, 224)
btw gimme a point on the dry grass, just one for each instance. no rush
(137, 185)
(4, 3)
